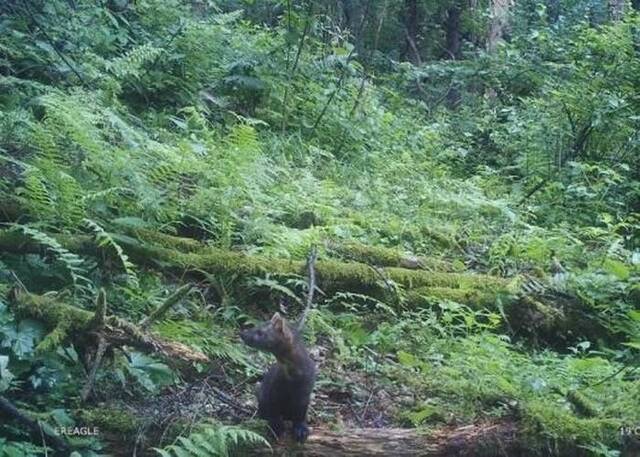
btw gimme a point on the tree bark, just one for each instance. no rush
(500, 10)
(79, 324)
(616, 9)
(411, 50)
(168, 252)
(454, 35)
(486, 439)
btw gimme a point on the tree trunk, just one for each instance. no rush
(616, 10)
(499, 22)
(71, 322)
(553, 11)
(453, 48)
(454, 36)
(168, 252)
(411, 51)
(550, 318)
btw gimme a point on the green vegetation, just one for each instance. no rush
(468, 173)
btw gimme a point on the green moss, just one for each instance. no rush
(110, 420)
(582, 405)
(55, 337)
(547, 424)
(373, 255)
(169, 241)
(52, 312)
(471, 297)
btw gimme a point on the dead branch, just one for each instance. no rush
(80, 324)
(164, 307)
(36, 428)
(311, 287)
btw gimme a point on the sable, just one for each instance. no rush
(285, 391)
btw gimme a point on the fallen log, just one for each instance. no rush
(332, 274)
(41, 432)
(421, 288)
(485, 439)
(68, 321)
(165, 251)
(386, 257)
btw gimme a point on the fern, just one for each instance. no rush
(244, 139)
(213, 441)
(35, 194)
(105, 240)
(132, 63)
(74, 264)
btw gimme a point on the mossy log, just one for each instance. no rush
(386, 257)
(422, 288)
(80, 323)
(39, 430)
(485, 439)
(331, 274)
(165, 251)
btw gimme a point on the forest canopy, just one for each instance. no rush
(453, 187)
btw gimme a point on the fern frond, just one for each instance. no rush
(213, 441)
(35, 194)
(104, 240)
(244, 138)
(74, 264)
(132, 63)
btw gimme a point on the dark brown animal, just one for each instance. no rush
(285, 391)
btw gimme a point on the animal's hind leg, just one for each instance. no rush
(277, 426)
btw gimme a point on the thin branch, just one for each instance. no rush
(292, 72)
(53, 44)
(164, 307)
(100, 350)
(311, 287)
(342, 76)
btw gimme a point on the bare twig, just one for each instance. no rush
(311, 287)
(100, 350)
(292, 72)
(164, 307)
(53, 44)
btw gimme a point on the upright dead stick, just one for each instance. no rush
(311, 286)
(98, 323)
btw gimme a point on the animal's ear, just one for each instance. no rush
(276, 318)
(280, 325)
(277, 321)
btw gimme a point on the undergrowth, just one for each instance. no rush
(195, 129)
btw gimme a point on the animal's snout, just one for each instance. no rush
(246, 336)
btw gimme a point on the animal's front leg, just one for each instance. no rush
(300, 431)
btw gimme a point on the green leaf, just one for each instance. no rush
(23, 339)
(5, 375)
(634, 315)
(633, 344)
(406, 359)
(617, 268)
(61, 418)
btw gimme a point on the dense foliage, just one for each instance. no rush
(267, 128)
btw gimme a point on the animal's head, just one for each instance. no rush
(274, 336)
